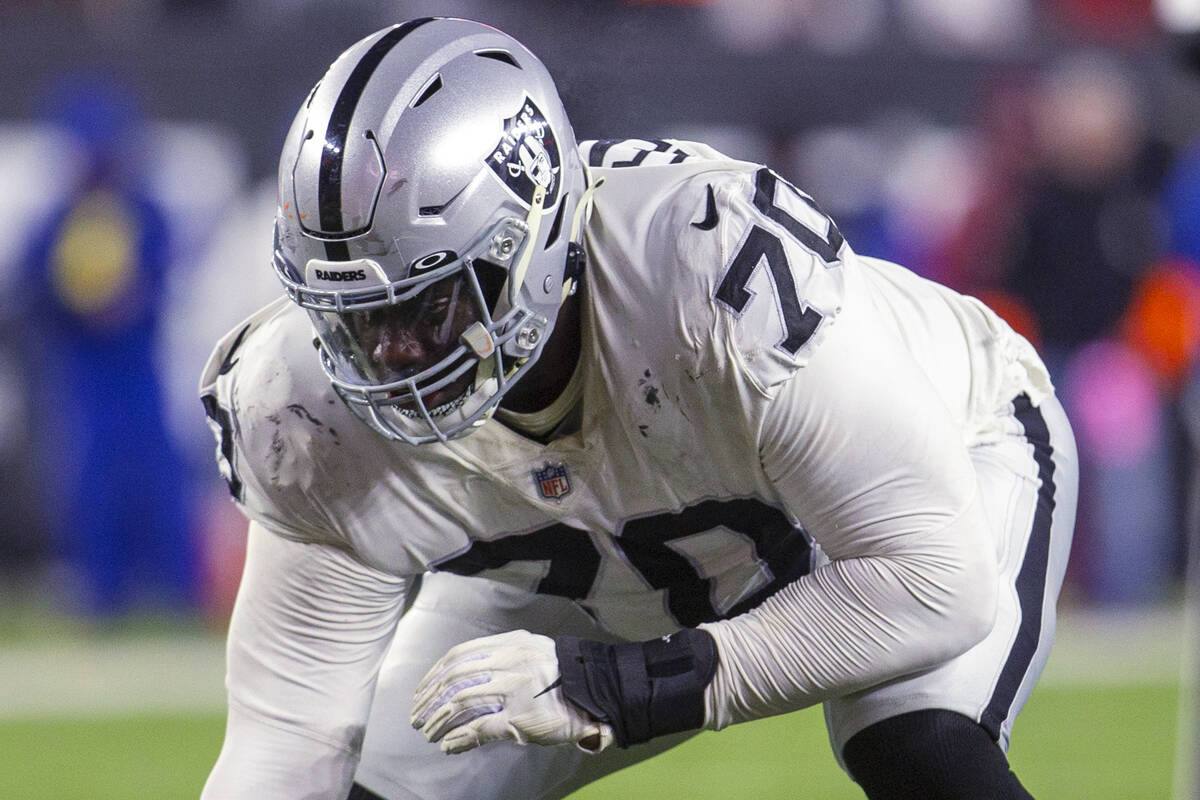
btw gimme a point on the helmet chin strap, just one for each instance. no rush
(582, 210)
(533, 220)
(486, 369)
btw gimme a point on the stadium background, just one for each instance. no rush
(1041, 154)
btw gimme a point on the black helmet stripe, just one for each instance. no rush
(329, 188)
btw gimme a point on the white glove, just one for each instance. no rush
(501, 687)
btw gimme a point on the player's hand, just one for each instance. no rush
(501, 687)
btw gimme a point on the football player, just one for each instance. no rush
(555, 454)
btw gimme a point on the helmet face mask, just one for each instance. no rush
(409, 350)
(426, 189)
(421, 359)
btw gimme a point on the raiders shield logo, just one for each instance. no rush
(527, 154)
(552, 480)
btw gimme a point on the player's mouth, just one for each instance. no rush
(439, 403)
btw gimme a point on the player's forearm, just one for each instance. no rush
(847, 626)
(853, 624)
(308, 632)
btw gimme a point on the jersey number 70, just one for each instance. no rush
(762, 244)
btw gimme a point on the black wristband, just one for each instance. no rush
(641, 689)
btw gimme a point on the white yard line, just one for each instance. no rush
(1114, 647)
(109, 676)
(87, 676)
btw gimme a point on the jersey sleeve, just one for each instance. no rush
(255, 405)
(619, 153)
(309, 630)
(781, 278)
(858, 446)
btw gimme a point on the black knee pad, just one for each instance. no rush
(930, 755)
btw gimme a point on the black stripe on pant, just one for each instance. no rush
(1031, 580)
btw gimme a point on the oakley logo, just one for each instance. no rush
(433, 261)
(341, 275)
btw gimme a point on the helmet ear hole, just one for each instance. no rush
(491, 279)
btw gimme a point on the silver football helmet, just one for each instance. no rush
(427, 195)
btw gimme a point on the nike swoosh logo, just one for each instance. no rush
(710, 213)
(229, 360)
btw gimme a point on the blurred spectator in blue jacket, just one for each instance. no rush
(93, 290)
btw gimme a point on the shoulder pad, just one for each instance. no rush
(621, 153)
(273, 415)
(224, 355)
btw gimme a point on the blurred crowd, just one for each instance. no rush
(1043, 155)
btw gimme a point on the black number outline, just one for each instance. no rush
(827, 248)
(644, 542)
(224, 421)
(759, 244)
(601, 147)
(799, 323)
(574, 559)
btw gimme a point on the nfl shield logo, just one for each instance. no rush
(552, 480)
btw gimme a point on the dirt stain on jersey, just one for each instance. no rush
(303, 413)
(277, 449)
(649, 390)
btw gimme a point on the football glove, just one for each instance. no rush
(501, 687)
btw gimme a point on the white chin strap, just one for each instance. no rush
(516, 276)
(582, 211)
(476, 337)
(486, 370)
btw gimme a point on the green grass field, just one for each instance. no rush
(1071, 742)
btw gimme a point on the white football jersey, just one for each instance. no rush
(731, 342)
